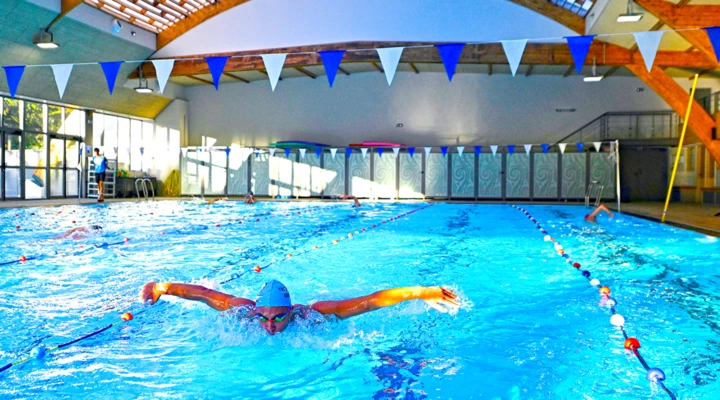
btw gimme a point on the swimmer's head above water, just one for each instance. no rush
(273, 307)
(96, 227)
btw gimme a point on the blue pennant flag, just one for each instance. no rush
(545, 148)
(450, 54)
(318, 151)
(579, 47)
(87, 149)
(580, 147)
(287, 153)
(14, 74)
(216, 65)
(257, 154)
(444, 150)
(142, 150)
(714, 36)
(348, 151)
(511, 148)
(478, 149)
(110, 69)
(380, 150)
(227, 151)
(331, 60)
(411, 150)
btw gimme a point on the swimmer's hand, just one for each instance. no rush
(152, 291)
(440, 298)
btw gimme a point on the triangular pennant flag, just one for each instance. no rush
(111, 69)
(579, 47)
(494, 149)
(331, 60)
(115, 150)
(163, 68)
(562, 147)
(545, 148)
(184, 151)
(580, 147)
(411, 150)
(514, 50)
(302, 153)
(333, 152)
(227, 151)
(274, 65)
(396, 150)
(390, 58)
(257, 154)
(216, 65)
(444, 150)
(380, 151)
(364, 152)
(714, 36)
(427, 151)
(87, 149)
(348, 151)
(450, 54)
(287, 153)
(511, 148)
(199, 149)
(528, 147)
(62, 75)
(318, 151)
(597, 146)
(478, 149)
(142, 151)
(272, 152)
(14, 74)
(648, 43)
(460, 150)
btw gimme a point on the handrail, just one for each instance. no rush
(581, 129)
(143, 182)
(152, 188)
(608, 115)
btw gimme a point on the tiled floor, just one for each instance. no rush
(685, 215)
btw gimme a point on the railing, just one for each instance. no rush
(144, 182)
(627, 125)
(710, 103)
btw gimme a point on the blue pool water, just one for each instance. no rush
(529, 327)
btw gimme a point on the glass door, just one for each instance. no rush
(11, 165)
(36, 166)
(56, 164)
(72, 166)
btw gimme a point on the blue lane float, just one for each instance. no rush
(655, 375)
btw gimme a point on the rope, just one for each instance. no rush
(171, 187)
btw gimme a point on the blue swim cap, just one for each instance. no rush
(273, 294)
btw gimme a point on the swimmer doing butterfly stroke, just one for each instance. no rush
(274, 310)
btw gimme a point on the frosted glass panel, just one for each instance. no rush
(410, 176)
(281, 174)
(360, 183)
(303, 175)
(518, 175)
(489, 175)
(602, 170)
(260, 182)
(218, 173)
(545, 175)
(573, 175)
(463, 175)
(238, 171)
(436, 176)
(334, 174)
(385, 176)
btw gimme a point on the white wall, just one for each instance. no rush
(472, 109)
(262, 24)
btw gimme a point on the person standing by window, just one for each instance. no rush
(100, 163)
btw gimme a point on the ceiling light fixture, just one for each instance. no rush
(44, 40)
(595, 77)
(630, 16)
(142, 89)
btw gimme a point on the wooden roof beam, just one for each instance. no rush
(377, 67)
(200, 80)
(306, 72)
(237, 78)
(65, 7)
(414, 68)
(528, 71)
(557, 14)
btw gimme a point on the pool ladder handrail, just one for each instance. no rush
(599, 193)
(144, 182)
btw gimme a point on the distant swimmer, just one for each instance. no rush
(349, 197)
(80, 232)
(249, 198)
(592, 217)
(216, 200)
(274, 310)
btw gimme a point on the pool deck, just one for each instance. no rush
(697, 217)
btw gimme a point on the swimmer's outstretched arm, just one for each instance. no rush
(217, 300)
(437, 297)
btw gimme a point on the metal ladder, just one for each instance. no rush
(93, 189)
(144, 182)
(598, 193)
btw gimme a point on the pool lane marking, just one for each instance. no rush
(653, 374)
(38, 352)
(259, 268)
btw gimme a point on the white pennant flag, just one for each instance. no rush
(163, 68)
(528, 147)
(514, 50)
(494, 149)
(427, 151)
(184, 151)
(302, 153)
(597, 146)
(460, 150)
(390, 58)
(272, 152)
(562, 147)
(332, 152)
(364, 152)
(648, 43)
(396, 150)
(62, 74)
(274, 65)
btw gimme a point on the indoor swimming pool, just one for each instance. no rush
(529, 325)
